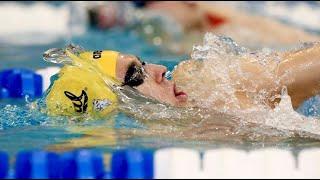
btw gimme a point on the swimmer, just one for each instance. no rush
(249, 30)
(77, 90)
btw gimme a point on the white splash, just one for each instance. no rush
(212, 81)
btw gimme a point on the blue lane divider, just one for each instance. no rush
(82, 164)
(132, 164)
(68, 166)
(37, 164)
(4, 93)
(18, 82)
(4, 165)
(78, 164)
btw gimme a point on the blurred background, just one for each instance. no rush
(159, 32)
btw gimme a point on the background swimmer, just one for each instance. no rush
(248, 29)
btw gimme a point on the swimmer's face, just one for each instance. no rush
(148, 79)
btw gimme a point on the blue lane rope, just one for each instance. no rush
(19, 82)
(78, 164)
(4, 165)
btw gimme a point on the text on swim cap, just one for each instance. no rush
(96, 54)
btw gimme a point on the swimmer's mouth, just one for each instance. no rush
(179, 94)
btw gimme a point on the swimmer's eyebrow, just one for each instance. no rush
(142, 62)
(139, 58)
(133, 63)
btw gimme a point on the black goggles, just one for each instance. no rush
(135, 74)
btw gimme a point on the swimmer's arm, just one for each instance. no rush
(300, 72)
(259, 26)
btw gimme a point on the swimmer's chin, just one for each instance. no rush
(182, 101)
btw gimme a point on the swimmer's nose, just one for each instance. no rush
(157, 71)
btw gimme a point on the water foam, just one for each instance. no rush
(210, 83)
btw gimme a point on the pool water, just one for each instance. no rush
(22, 128)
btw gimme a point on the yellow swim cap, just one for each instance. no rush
(80, 90)
(106, 60)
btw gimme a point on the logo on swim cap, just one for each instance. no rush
(80, 103)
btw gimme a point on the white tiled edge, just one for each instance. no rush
(233, 163)
(46, 73)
